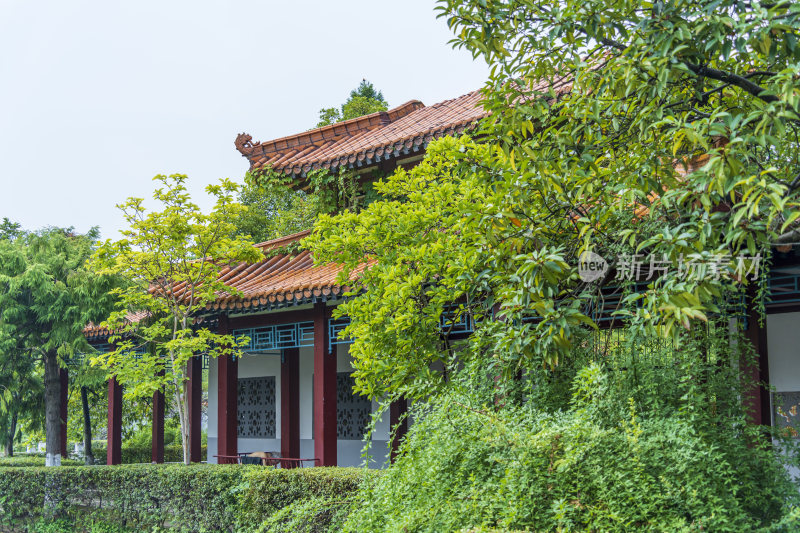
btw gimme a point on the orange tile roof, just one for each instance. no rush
(285, 279)
(364, 140)
(95, 332)
(282, 279)
(278, 281)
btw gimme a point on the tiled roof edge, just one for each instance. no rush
(252, 150)
(378, 152)
(278, 300)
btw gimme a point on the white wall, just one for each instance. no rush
(306, 398)
(783, 350)
(213, 393)
(783, 347)
(250, 366)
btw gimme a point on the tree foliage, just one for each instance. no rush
(664, 132)
(363, 100)
(87, 404)
(274, 211)
(415, 238)
(10, 230)
(47, 297)
(620, 439)
(605, 136)
(681, 116)
(170, 261)
(21, 391)
(21, 383)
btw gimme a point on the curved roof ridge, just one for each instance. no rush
(326, 133)
(365, 140)
(272, 244)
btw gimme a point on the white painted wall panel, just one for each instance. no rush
(306, 394)
(212, 410)
(783, 347)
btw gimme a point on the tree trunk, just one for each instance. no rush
(52, 409)
(12, 432)
(52, 426)
(87, 428)
(183, 416)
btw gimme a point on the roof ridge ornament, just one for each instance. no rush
(245, 145)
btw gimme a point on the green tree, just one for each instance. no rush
(682, 115)
(170, 261)
(21, 391)
(10, 230)
(47, 297)
(626, 137)
(274, 211)
(415, 236)
(363, 100)
(365, 89)
(87, 396)
(666, 130)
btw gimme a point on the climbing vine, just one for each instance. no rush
(334, 191)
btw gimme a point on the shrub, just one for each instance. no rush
(33, 460)
(143, 454)
(514, 466)
(313, 514)
(285, 500)
(142, 437)
(146, 497)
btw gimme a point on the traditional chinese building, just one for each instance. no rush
(291, 393)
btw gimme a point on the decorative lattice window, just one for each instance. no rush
(352, 411)
(256, 411)
(786, 412)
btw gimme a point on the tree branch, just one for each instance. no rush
(790, 237)
(703, 70)
(733, 79)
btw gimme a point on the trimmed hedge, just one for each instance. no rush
(182, 498)
(143, 454)
(33, 460)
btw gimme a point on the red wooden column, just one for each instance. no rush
(324, 391)
(157, 452)
(757, 398)
(64, 399)
(290, 402)
(194, 388)
(398, 423)
(227, 376)
(114, 445)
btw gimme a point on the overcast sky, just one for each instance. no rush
(97, 97)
